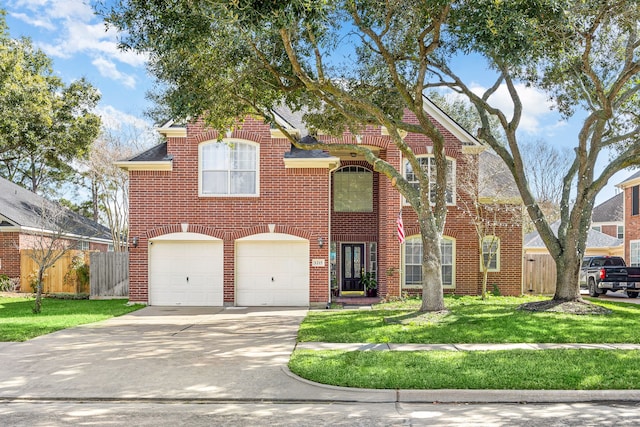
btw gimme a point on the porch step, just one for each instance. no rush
(356, 302)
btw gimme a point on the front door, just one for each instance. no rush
(352, 267)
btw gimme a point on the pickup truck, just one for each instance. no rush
(602, 273)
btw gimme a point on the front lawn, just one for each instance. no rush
(472, 320)
(18, 323)
(496, 370)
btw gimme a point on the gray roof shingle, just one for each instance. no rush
(23, 208)
(595, 239)
(610, 211)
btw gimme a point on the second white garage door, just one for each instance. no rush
(185, 269)
(272, 269)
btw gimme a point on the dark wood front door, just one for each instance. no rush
(352, 267)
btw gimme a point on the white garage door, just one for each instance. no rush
(272, 269)
(185, 269)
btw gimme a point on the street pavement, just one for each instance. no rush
(231, 363)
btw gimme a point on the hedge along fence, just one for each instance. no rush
(64, 276)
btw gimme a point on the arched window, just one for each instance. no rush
(353, 189)
(413, 261)
(229, 168)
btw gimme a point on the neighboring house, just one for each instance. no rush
(539, 268)
(21, 222)
(608, 217)
(253, 221)
(631, 191)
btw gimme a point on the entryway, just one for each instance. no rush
(352, 268)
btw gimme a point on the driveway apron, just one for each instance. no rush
(190, 353)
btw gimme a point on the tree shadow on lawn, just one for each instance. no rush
(418, 318)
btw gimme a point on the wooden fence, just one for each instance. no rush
(57, 279)
(109, 274)
(539, 273)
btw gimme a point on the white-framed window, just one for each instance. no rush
(596, 228)
(83, 245)
(490, 256)
(620, 233)
(413, 261)
(373, 259)
(229, 168)
(428, 164)
(634, 253)
(353, 189)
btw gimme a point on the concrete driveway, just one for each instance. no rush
(224, 354)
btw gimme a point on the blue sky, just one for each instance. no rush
(77, 40)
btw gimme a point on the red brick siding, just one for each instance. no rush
(298, 202)
(611, 230)
(9, 255)
(631, 224)
(292, 199)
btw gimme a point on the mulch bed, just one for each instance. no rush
(569, 307)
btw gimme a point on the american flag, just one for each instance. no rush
(400, 226)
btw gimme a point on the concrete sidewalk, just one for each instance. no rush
(458, 347)
(206, 354)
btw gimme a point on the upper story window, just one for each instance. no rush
(353, 190)
(429, 166)
(229, 168)
(635, 200)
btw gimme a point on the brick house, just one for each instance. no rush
(256, 221)
(608, 217)
(631, 196)
(20, 222)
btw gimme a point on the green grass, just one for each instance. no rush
(472, 320)
(18, 323)
(498, 370)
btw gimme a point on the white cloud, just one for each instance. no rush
(535, 105)
(131, 130)
(109, 70)
(76, 30)
(36, 22)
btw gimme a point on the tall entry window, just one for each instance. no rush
(353, 189)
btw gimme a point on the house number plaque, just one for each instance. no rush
(317, 262)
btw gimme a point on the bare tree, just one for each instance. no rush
(545, 167)
(489, 196)
(109, 184)
(49, 241)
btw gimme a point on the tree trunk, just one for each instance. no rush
(432, 294)
(37, 308)
(568, 277)
(485, 279)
